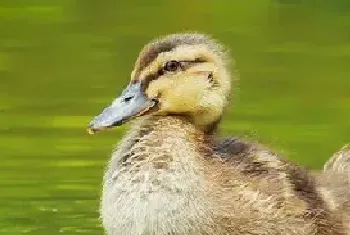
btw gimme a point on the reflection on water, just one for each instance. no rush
(62, 61)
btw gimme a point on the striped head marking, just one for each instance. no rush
(182, 74)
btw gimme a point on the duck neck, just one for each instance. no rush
(175, 127)
(165, 138)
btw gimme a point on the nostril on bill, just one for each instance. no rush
(127, 99)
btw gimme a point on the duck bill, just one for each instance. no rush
(131, 103)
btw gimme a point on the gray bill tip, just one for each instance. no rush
(132, 103)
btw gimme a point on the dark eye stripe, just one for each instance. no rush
(184, 64)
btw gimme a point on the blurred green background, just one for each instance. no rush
(62, 61)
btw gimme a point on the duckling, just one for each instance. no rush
(171, 174)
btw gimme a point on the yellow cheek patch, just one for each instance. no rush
(157, 87)
(178, 93)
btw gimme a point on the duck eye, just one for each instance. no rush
(171, 65)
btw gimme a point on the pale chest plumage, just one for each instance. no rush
(151, 188)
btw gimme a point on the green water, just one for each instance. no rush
(61, 61)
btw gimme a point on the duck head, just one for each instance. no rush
(180, 74)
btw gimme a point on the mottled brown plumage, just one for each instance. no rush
(171, 174)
